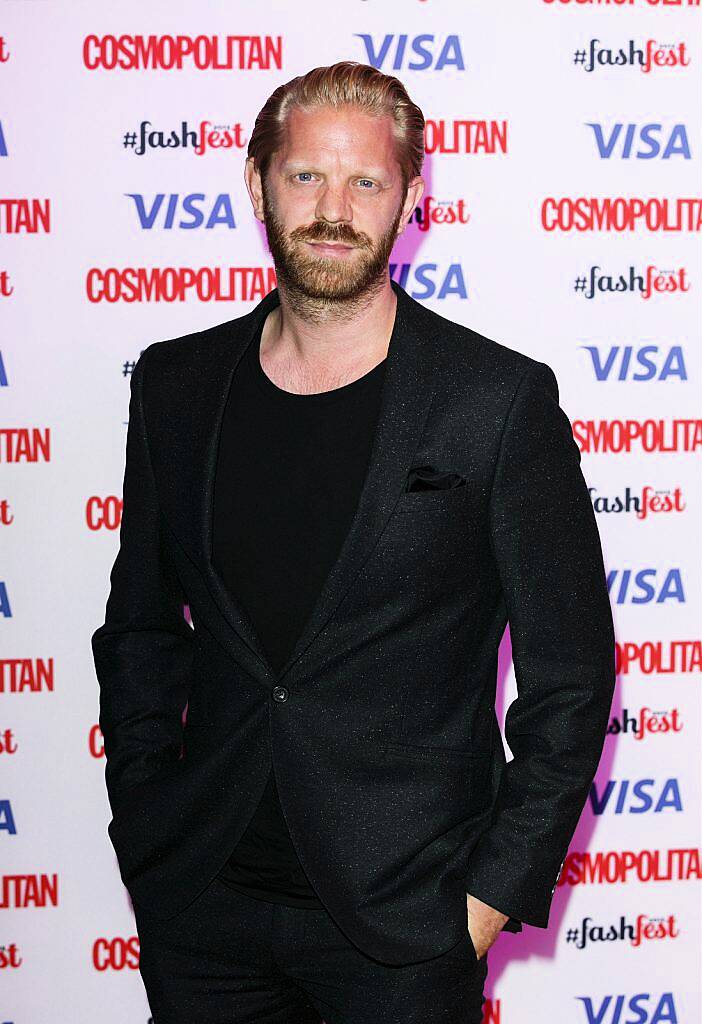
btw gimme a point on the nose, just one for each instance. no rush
(333, 206)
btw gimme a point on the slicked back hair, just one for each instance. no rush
(344, 83)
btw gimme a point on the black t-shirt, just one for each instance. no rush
(289, 474)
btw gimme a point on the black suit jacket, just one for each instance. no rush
(381, 726)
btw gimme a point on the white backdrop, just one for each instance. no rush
(520, 129)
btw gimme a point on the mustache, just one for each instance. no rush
(343, 234)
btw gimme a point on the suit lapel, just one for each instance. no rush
(404, 404)
(210, 414)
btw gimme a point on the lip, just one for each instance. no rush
(331, 247)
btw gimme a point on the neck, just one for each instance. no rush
(339, 341)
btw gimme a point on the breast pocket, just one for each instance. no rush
(436, 499)
(431, 539)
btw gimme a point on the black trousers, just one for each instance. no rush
(231, 959)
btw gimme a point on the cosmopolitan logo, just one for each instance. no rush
(640, 362)
(25, 444)
(646, 586)
(27, 892)
(650, 281)
(621, 214)
(205, 137)
(103, 513)
(645, 723)
(639, 1008)
(432, 211)
(621, 867)
(96, 743)
(658, 657)
(25, 216)
(636, 796)
(640, 436)
(413, 53)
(461, 137)
(26, 675)
(660, 4)
(176, 284)
(116, 954)
(639, 932)
(433, 281)
(186, 212)
(173, 53)
(647, 57)
(642, 142)
(651, 501)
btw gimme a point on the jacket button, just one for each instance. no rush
(280, 693)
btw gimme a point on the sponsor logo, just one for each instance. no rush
(651, 281)
(648, 57)
(642, 142)
(646, 723)
(413, 53)
(174, 53)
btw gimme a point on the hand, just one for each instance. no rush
(484, 924)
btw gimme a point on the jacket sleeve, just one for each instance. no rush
(548, 554)
(143, 651)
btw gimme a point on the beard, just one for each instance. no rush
(328, 279)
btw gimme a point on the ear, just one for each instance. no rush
(415, 191)
(252, 179)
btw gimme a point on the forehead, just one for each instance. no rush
(346, 136)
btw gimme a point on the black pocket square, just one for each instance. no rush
(426, 478)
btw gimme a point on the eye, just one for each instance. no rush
(368, 182)
(308, 173)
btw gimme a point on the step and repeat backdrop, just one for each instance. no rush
(561, 217)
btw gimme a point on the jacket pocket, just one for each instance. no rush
(126, 796)
(432, 755)
(435, 499)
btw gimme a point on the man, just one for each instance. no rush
(353, 495)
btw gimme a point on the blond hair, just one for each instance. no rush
(346, 82)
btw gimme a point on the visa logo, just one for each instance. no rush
(416, 53)
(183, 211)
(645, 586)
(433, 282)
(628, 796)
(647, 362)
(642, 1008)
(641, 142)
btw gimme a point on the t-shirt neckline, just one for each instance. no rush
(272, 391)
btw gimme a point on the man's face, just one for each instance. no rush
(337, 181)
